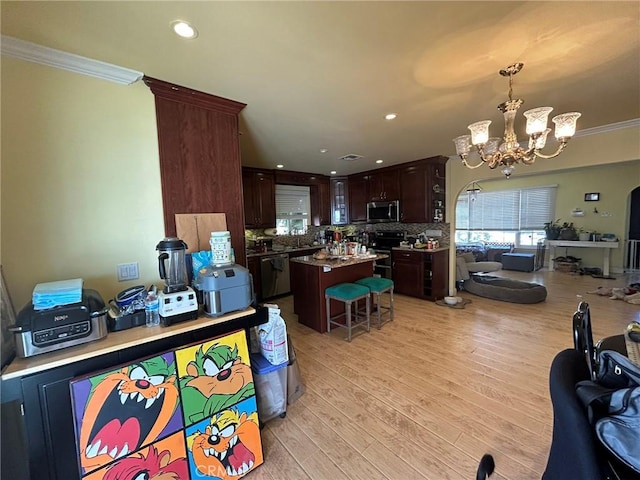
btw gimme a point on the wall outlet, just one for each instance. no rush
(127, 271)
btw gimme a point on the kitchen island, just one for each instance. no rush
(310, 277)
(38, 439)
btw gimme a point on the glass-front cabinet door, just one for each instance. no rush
(339, 201)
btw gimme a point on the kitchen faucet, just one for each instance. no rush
(298, 240)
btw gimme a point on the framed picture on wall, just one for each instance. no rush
(592, 197)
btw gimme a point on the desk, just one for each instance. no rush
(606, 250)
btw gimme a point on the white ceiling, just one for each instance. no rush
(320, 75)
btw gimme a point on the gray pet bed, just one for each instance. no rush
(505, 290)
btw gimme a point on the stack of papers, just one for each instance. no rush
(54, 294)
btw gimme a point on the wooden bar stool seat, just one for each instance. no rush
(349, 293)
(377, 286)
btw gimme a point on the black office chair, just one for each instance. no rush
(575, 452)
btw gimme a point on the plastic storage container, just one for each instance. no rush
(271, 387)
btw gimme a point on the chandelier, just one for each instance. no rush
(506, 152)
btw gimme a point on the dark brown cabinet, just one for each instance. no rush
(358, 197)
(422, 196)
(259, 190)
(339, 201)
(253, 265)
(420, 273)
(321, 203)
(199, 149)
(384, 185)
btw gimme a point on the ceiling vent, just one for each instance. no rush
(350, 157)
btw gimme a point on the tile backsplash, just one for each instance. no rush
(309, 237)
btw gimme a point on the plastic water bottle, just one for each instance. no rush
(151, 309)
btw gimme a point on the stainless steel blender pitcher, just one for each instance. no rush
(172, 264)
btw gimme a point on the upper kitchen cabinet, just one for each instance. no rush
(259, 188)
(358, 187)
(339, 201)
(384, 185)
(321, 202)
(422, 196)
(199, 150)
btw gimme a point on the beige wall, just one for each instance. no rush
(80, 180)
(614, 183)
(605, 152)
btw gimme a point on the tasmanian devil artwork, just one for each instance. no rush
(125, 410)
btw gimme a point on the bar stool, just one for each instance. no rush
(348, 293)
(378, 286)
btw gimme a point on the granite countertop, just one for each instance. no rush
(337, 262)
(284, 250)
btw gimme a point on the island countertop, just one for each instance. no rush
(337, 262)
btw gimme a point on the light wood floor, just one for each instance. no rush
(427, 395)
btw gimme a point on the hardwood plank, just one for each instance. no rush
(431, 392)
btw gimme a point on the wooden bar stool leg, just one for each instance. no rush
(391, 299)
(379, 309)
(368, 312)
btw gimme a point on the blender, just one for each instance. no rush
(178, 301)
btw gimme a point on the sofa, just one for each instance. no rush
(466, 265)
(485, 251)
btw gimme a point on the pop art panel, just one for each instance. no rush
(213, 376)
(227, 445)
(119, 411)
(165, 459)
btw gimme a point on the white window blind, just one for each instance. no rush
(292, 202)
(506, 210)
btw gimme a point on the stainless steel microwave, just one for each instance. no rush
(383, 211)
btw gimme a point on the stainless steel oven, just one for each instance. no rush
(383, 243)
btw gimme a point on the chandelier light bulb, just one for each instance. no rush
(463, 144)
(566, 124)
(480, 132)
(537, 119)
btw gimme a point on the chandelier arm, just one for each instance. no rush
(466, 164)
(555, 154)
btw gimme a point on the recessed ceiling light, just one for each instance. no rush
(390, 116)
(379, 161)
(333, 172)
(279, 166)
(184, 29)
(323, 150)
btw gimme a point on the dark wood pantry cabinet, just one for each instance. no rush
(199, 149)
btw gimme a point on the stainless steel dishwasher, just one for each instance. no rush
(275, 275)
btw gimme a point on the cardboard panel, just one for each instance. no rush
(195, 228)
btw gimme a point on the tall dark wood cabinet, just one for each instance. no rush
(259, 193)
(321, 203)
(199, 157)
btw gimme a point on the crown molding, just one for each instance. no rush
(612, 127)
(32, 52)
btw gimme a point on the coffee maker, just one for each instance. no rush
(178, 301)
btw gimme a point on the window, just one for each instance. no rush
(293, 209)
(512, 216)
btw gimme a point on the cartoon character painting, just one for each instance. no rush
(214, 376)
(125, 409)
(227, 447)
(155, 466)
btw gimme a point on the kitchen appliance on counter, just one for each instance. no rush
(224, 288)
(42, 331)
(274, 271)
(383, 243)
(178, 301)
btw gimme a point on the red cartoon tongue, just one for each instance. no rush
(240, 455)
(113, 434)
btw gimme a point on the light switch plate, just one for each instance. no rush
(127, 271)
